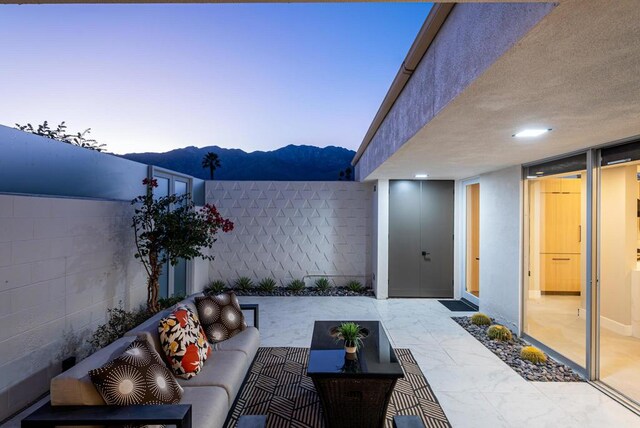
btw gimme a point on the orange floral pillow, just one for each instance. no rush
(184, 343)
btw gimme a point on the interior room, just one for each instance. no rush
(555, 303)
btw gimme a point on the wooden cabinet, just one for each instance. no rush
(560, 235)
(560, 273)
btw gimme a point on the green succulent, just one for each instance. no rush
(243, 284)
(216, 287)
(499, 332)
(480, 319)
(354, 286)
(268, 285)
(322, 285)
(296, 286)
(533, 354)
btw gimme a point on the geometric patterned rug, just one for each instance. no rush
(277, 386)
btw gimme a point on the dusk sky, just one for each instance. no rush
(159, 77)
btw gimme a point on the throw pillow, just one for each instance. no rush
(184, 342)
(138, 376)
(221, 316)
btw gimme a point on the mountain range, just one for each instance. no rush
(304, 163)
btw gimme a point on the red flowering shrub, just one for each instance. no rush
(170, 228)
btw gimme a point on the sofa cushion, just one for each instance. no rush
(209, 405)
(248, 342)
(226, 369)
(221, 316)
(183, 342)
(137, 376)
(74, 387)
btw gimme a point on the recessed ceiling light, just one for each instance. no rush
(529, 133)
(422, 175)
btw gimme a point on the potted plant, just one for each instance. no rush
(170, 228)
(352, 335)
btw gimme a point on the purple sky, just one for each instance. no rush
(249, 76)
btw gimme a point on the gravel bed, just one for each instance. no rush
(509, 352)
(283, 292)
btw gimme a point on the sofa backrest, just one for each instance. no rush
(149, 328)
(74, 387)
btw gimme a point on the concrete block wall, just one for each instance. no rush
(63, 262)
(288, 230)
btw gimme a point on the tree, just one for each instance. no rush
(345, 174)
(168, 229)
(59, 134)
(212, 161)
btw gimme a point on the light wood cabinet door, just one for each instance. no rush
(560, 273)
(561, 232)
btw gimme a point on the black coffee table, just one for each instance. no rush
(353, 392)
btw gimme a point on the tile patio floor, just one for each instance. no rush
(474, 387)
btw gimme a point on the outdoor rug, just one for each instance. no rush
(459, 305)
(277, 386)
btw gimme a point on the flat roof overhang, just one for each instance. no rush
(577, 71)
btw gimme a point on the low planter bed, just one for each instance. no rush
(281, 291)
(509, 352)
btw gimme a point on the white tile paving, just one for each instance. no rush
(475, 388)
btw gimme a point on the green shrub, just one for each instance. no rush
(118, 323)
(533, 354)
(216, 287)
(354, 286)
(499, 332)
(296, 286)
(268, 285)
(243, 284)
(480, 319)
(167, 302)
(322, 285)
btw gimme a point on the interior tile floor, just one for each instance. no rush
(554, 320)
(475, 388)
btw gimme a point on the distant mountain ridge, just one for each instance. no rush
(307, 163)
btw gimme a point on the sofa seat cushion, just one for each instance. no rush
(74, 387)
(248, 342)
(226, 369)
(183, 342)
(220, 316)
(137, 376)
(209, 405)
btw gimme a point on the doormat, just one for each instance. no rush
(277, 386)
(461, 305)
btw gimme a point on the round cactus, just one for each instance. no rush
(480, 319)
(533, 354)
(499, 332)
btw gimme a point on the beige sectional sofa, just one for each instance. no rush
(211, 393)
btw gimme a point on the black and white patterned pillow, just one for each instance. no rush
(138, 376)
(220, 316)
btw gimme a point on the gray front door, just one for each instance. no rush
(421, 238)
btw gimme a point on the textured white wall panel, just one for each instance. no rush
(288, 230)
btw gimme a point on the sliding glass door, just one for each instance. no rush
(582, 263)
(618, 325)
(555, 293)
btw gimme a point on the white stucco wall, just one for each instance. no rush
(63, 262)
(381, 239)
(500, 245)
(289, 230)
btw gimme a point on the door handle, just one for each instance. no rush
(424, 254)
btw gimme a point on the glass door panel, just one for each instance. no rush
(472, 239)
(619, 270)
(163, 190)
(555, 294)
